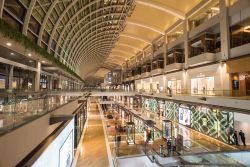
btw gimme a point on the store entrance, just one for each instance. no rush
(247, 81)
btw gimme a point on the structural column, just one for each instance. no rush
(1, 8)
(10, 79)
(186, 46)
(224, 29)
(50, 82)
(186, 52)
(37, 77)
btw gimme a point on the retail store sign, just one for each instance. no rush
(184, 115)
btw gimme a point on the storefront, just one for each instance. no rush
(23, 79)
(3, 76)
(174, 86)
(214, 122)
(44, 81)
(202, 85)
(240, 76)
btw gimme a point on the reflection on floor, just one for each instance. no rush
(136, 162)
(94, 152)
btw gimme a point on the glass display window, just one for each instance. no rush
(202, 85)
(2, 82)
(175, 86)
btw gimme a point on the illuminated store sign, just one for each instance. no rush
(184, 116)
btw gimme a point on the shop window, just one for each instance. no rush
(203, 85)
(43, 81)
(175, 86)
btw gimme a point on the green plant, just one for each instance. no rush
(18, 37)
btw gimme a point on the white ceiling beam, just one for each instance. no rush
(143, 25)
(136, 38)
(162, 7)
(27, 17)
(122, 51)
(128, 45)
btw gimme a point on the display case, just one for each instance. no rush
(167, 129)
(130, 133)
(149, 131)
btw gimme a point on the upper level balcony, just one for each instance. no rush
(175, 59)
(158, 65)
(146, 69)
(240, 38)
(204, 18)
(138, 71)
(202, 49)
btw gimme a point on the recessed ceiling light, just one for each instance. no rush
(8, 44)
(29, 54)
(12, 54)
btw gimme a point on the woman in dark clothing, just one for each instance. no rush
(242, 136)
(236, 138)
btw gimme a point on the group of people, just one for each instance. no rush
(242, 136)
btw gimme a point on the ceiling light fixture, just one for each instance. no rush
(9, 44)
(246, 28)
(215, 8)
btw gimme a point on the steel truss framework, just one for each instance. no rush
(77, 32)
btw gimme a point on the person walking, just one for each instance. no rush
(242, 136)
(236, 138)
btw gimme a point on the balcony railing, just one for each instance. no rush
(170, 92)
(17, 109)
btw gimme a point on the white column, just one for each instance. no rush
(10, 79)
(50, 82)
(224, 29)
(60, 82)
(37, 77)
(1, 8)
(165, 50)
(185, 35)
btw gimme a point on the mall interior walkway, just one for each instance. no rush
(94, 152)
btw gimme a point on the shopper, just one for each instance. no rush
(173, 143)
(242, 136)
(236, 138)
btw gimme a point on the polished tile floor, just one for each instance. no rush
(94, 152)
